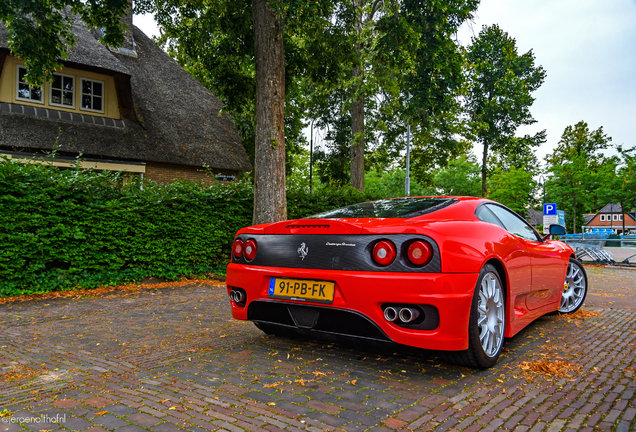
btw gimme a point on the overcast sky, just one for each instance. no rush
(588, 49)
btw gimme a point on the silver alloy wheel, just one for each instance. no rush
(573, 289)
(491, 314)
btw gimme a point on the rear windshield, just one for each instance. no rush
(389, 208)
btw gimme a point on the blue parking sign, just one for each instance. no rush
(550, 209)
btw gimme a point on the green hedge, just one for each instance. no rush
(66, 229)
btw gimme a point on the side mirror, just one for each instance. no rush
(557, 230)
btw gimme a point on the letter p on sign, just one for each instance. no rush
(550, 209)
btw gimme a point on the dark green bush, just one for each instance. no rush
(66, 229)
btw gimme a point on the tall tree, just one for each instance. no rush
(40, 34)
(251, 54)
(499, 96)
(419, 48)
(617, 181)
(270, 201)
(399, 64)
(574, 168)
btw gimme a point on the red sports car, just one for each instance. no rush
(443, 273)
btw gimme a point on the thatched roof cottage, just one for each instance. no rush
(133, 109)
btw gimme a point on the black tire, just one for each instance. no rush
(475, 356)
(580, 292)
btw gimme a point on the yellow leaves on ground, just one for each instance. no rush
(550, 367)
(104, 290)
(21, 372)
(580, 314)
(276, 384)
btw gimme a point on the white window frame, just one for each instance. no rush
(17, 88)
(74, 91)
(620, 218)
(602, 218)
(81, 94)
(615, 218)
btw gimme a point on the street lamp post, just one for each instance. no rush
(407, 181)
(542, 183)
(311, 154)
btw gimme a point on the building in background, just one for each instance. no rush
(611, 216)
(131, 109)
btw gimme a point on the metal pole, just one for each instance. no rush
(544, 191)
(407, 182)
(311, 154)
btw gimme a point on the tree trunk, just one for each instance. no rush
(574, 219)
(270, 201)
(357, 142)
(483, 170)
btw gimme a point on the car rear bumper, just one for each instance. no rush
(361, 295)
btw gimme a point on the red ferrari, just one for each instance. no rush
(455, 274)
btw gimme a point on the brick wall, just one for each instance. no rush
(164, 173)
(597, 222)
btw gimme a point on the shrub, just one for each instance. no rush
(67, 229)
(61, 229)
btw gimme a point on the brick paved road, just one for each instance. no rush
(171, 359)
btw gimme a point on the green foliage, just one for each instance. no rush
(514, 189)
(301, 203)
(214, 41)
(460, 178)
(617, 181)
(61, 229)
(400, 48)
(402, 59)
(499, 96)
(68, 229)
(576, 170)
(40, 35)
(390, 184)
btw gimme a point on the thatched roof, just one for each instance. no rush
(87, 51)
(170, 118)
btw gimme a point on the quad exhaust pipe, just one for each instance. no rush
(402, 314)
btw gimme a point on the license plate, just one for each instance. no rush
(301, 289)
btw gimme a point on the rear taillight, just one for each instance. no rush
(249, 249)
(384, 252)
(237, 248)
(419, 252)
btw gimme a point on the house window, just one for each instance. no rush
(92, 95)
(63, 91)
(615, 217)
(620, 218)
(24, 91)
(602, 218)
